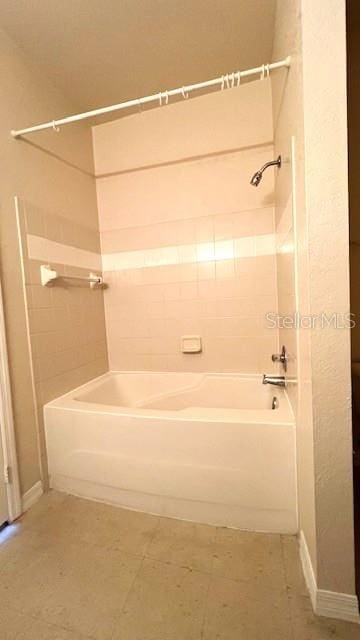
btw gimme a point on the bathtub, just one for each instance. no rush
(203, 447)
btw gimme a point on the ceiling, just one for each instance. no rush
(100, 52)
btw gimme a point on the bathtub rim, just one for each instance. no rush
(209, 414)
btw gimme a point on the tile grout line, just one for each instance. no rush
(38, 618)
(122, 610)
(211, 579)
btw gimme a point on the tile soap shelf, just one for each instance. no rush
(49, 277)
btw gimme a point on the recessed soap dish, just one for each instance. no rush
(191, 344)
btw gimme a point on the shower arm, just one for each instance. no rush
(271, 163)
(257, 177)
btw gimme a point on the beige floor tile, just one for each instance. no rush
(15, 626)
(91, 592)
(26, 588)
(95, 523)
(307, 626)
(58, 517)
(239, 610)
(51, 518)
(29, 572)
(241, 555)
(76, 586)
(17, 548)
(12, 623)
(183, 543)
(38, 630)
(51, 503)
(71, 569)
(113, 527)
(165, 603)
(293, 571)
(24, 542)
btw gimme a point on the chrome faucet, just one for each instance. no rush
(278, 381)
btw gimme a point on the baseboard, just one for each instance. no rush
(337, 605)
(329, 604)
(308, 570)
(32, 495)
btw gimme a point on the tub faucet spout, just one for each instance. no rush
(278, 381)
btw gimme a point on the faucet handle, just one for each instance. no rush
(281, 357)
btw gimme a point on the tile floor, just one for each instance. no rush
(75, 570)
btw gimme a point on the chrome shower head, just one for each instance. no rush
(257, 177)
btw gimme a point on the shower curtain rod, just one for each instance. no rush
(227, 81)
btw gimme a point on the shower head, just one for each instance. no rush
(257, 177)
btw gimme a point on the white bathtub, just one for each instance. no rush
(201, 447)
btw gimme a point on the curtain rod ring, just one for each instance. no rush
(185, 94)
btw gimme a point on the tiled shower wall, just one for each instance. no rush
(187, 243)
(66, 322)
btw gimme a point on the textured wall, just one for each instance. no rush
(321, 283)
(53, 171)
(187, 242)
(328, 228)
